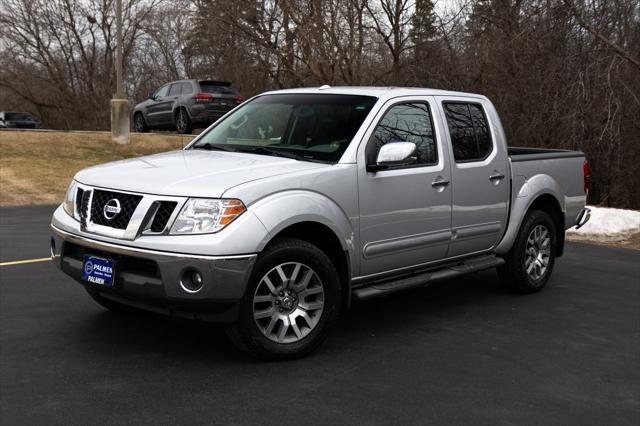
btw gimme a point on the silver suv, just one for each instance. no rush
(185, 104)
(299, 201)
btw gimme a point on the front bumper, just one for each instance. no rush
(151, 280)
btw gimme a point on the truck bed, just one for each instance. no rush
(557, 171)
(528, 154)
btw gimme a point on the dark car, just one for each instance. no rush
(18, 120)
(183, 104)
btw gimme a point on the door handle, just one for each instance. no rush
(439, 182)
(496, 176)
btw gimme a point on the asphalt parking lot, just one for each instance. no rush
(458, 352)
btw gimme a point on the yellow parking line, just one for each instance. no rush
(22, 262)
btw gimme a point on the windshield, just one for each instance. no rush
(311, 127)
(214, 88)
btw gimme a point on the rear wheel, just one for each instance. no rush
(531, 259)
(183, 122)
(139, 123)
(290, 304)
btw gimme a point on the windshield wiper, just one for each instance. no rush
(273, 151)
(260, 150)
(209, 147)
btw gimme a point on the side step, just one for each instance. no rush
(422, 279)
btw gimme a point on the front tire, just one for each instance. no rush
(183, 122)
(530, 261)
(290, 304)
(139, 123)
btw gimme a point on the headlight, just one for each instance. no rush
(70, 199)
(204, 216)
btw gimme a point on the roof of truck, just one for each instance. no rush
(378, 92)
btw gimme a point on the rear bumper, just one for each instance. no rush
(202, 115)
(153, 280)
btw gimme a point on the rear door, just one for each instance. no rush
(479, 168)
(405, 211)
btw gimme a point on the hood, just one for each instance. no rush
(190, 173)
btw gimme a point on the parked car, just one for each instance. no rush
(300, 201)
(18, 120)
(181, 105)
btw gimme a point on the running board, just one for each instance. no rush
(422, 279)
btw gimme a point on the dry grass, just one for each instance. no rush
(37, 166)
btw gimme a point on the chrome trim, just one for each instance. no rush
(583, 217)
(127, 250)
(397, 245)
(137, 218)
(140, 219)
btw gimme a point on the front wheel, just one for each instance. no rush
(531, 259)
(139, 123)
(290, 303)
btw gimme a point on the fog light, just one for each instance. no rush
(191, 281)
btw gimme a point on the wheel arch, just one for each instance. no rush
(323, 237)
(546, 201)
(540, 191)
(550, 205)
(315, 218)
(177, 109)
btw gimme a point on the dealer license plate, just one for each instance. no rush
(98, 270)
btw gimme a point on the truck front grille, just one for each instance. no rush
(163, 215)
(120, 220)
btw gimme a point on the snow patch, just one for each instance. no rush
(608, 225)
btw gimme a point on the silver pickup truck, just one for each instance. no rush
(299, 201)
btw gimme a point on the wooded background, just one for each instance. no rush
(562, 73)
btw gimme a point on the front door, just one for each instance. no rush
(480, 174)
(405, 211)
(154, 113)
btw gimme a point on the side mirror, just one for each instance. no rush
(393, 154)
(152, 96)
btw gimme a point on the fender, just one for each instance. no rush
(524, 197)
(283, 209)
(176, 106)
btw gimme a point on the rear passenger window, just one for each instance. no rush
(175, 89)
(187, 89)
(410, 122)
(469, 131)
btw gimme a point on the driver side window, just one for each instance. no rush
(406, 122)
(164, 90)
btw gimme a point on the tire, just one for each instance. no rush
(530, 261)
(311, 308)
(111, 305)
(139, 123)
(183, 122)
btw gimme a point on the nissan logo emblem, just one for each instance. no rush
(111, 209)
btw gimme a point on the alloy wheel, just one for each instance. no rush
(537, 252)
(182, 122)
(288, 302)
(139, 123)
